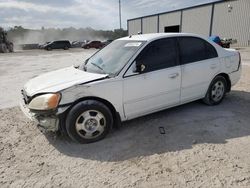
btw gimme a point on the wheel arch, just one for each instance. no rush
(115, 114)
(226, 76)
(228, 89)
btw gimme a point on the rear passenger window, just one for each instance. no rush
(194, 49)
(211, 51)
(159, 54)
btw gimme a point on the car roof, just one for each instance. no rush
(60, 41)
(154, 36)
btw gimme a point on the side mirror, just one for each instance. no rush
(86, 61)
(82, 66)
(139, 67)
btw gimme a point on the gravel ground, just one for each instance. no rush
(202, 146)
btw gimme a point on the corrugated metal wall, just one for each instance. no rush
(235, 23)
(150, 24)
(197, 20)
(169, 19)
(134, 26)
(227, 24)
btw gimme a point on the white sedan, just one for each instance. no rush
(131, 77)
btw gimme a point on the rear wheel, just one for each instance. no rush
(89, 121)
(11, 47)
(216, 91)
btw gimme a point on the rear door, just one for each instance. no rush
(158, 86)
(199, 65)
(61, 44)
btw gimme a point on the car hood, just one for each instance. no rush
(60, 79)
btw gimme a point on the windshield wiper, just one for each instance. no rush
(98, 66)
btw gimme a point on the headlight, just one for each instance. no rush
(45, 102)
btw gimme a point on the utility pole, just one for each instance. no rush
(120, 14)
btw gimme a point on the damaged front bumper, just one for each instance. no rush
(46, 121)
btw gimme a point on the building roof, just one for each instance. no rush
(155, 36)
(181, 9)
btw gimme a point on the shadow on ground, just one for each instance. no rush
(184, 126)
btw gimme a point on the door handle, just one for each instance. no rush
(174, 75)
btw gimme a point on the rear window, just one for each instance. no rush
(194, 49)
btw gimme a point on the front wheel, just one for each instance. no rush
(3, 48)
(216, 91)
(88, 121)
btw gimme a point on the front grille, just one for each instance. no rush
(26, 98)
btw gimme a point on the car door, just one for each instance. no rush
(61, 44)
(158, 85)
(199, 65)
(99, 44)
(53, 45)
(94, 44)
(56, 45)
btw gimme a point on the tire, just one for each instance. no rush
(216, 91)
(3, 48)
(89, 121)
(66, 48)
(11, 48)
(49, 48)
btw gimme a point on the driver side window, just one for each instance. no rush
(158, 55)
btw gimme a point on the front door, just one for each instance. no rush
(158, 85)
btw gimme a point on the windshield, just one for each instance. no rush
(111, 59)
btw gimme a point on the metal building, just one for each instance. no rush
(226, 18)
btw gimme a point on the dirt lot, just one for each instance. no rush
(203, 146)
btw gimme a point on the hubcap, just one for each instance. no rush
(218, 91)
(90, 124)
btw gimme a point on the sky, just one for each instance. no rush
(97, 14)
